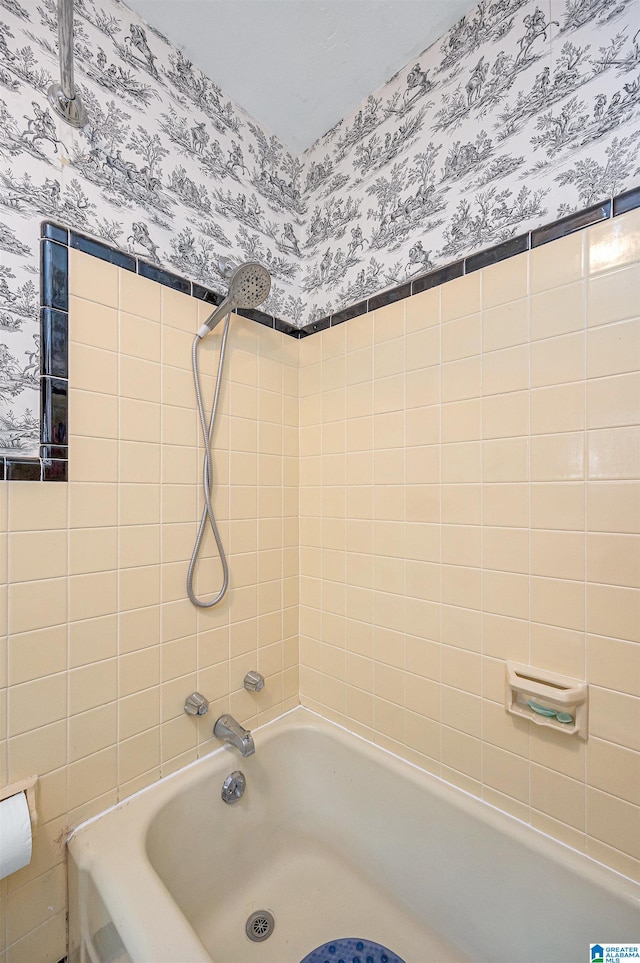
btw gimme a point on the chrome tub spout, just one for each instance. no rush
(227, 729)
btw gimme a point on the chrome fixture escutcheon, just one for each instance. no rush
(233, 787)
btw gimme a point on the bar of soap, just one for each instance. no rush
(564, 717)
(542, 710)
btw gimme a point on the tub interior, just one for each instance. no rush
(337, 842)
(336, 838)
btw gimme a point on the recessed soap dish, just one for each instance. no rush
(547, 699)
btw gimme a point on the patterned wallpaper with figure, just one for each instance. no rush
(168, 168)
(524, 112)
(520, 114)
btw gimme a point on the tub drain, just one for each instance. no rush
(259, 926)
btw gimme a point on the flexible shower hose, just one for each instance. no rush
(207, 474)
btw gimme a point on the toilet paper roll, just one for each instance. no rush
(15, 834)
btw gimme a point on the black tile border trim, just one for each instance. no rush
(568, 225)
(628, 201)
(56, 239)
(620, 204)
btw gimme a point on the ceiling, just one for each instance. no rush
(300, 66)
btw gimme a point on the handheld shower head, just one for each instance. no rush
(249, 286)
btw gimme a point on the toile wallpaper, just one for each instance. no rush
(524, 112)
(520, 114)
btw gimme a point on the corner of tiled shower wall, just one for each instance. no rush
(469, 465)
(103, 644)
(468, 492)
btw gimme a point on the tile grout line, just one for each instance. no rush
(585, 273)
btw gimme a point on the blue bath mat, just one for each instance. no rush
(351, 951)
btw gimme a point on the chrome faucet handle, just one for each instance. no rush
(253, 681)
(196, 705)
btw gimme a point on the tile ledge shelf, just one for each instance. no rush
(56, 239)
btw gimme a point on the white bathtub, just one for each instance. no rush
(337, 838)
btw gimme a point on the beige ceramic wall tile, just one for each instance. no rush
(558, 360)
(506, 370)
(37, 555)
(506, 772)
(506, 281)
(613, 296)
(613, 507)
(505, 415)
(559, 650)
(613, 243)
(461, 379)
(93, 415)
(139, 295)
(549, 748)
(505, 549)
(93, 640)
(613, 611)
(614, 822)
(505, 505)
(461, 338)
(35, 704)
(97, 370)
(504, 731)
(505, 460)
(614, 559)
(92, 505)
(614, 664)
(558, 554)
(40, 750)
(36, 605)
(558, 505)
(506, 325)
(37, 654)
(461, 297)
(558, 408)
(35, 510)
(93, 279)
(93, 460)
(558, 796)
(95, 325)
(558, 602)
(557, 263)
(613, 348)
(505, 593)
(503, 638)
(92, 731)
(614, 770)
(614, 453)
(615, 717)
(421, 311)
(613, 402)
(558, 311)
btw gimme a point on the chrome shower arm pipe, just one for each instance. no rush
(65, 47)
(63, 97)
